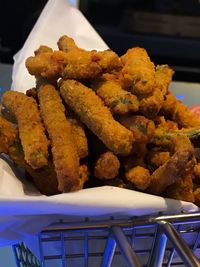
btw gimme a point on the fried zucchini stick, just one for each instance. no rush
(8, 134)
(73, 63)
(142, 128)
(91, 111)
(65, 156)
(138, 72)
(179, 112)
(118, 100)
(31, 130)
(151, 104)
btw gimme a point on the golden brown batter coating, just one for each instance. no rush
(163, 77)
(79, 136)
(31, 130)
(65, 156)
(91, 111)
(138, 72)
(73, 63)
(180, 113)
(139, 176)
(8, 134)
(106, 166)
(118, 100)
(142, 128)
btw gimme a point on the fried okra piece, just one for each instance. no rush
(118, 100)
(8, 134)
(98, 118)
(64, 151)
(180, 163)
(179, 112)
(142, 128)
(107, 166)
(197, 196)
(31, 130)
(139, 176)
(138, 72)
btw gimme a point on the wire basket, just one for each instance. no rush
(142, 241)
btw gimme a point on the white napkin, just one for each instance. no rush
(20, 204)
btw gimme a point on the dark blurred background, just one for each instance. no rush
(168, 29)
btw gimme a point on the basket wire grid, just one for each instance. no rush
(172, 240)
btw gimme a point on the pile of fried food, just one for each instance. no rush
(94, 118)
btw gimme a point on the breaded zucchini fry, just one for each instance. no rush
(138, 72)
(73, 63)
(8, 134)
(79, 136)
(106, 166)
(118, 100)
(179, 112)
(65, 156)
(91, 111)
(142, 128)
(31, 130)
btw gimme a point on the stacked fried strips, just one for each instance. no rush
(95, 118)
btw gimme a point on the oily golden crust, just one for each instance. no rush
(47, 65)
(139, 176)
(65, 156)
(65, 43)
(106, 166)
(91, 111)
(180, 113)
(142, 128)
(151, 105)
(31, 130)
(80, 138)
(8, 134)
(138, 72)
(75, 63)
(118, 100)
(163, 77)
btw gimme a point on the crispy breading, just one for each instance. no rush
(79, 136)
(8, 134)
(75, 63)
(118, 100)
(139, 176)
(142, 128)
(65, 155)
(138, 72)
(179, 112)
(91, 111)
(31, 130)
(107, 166)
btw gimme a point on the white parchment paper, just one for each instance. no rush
(23, 211)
